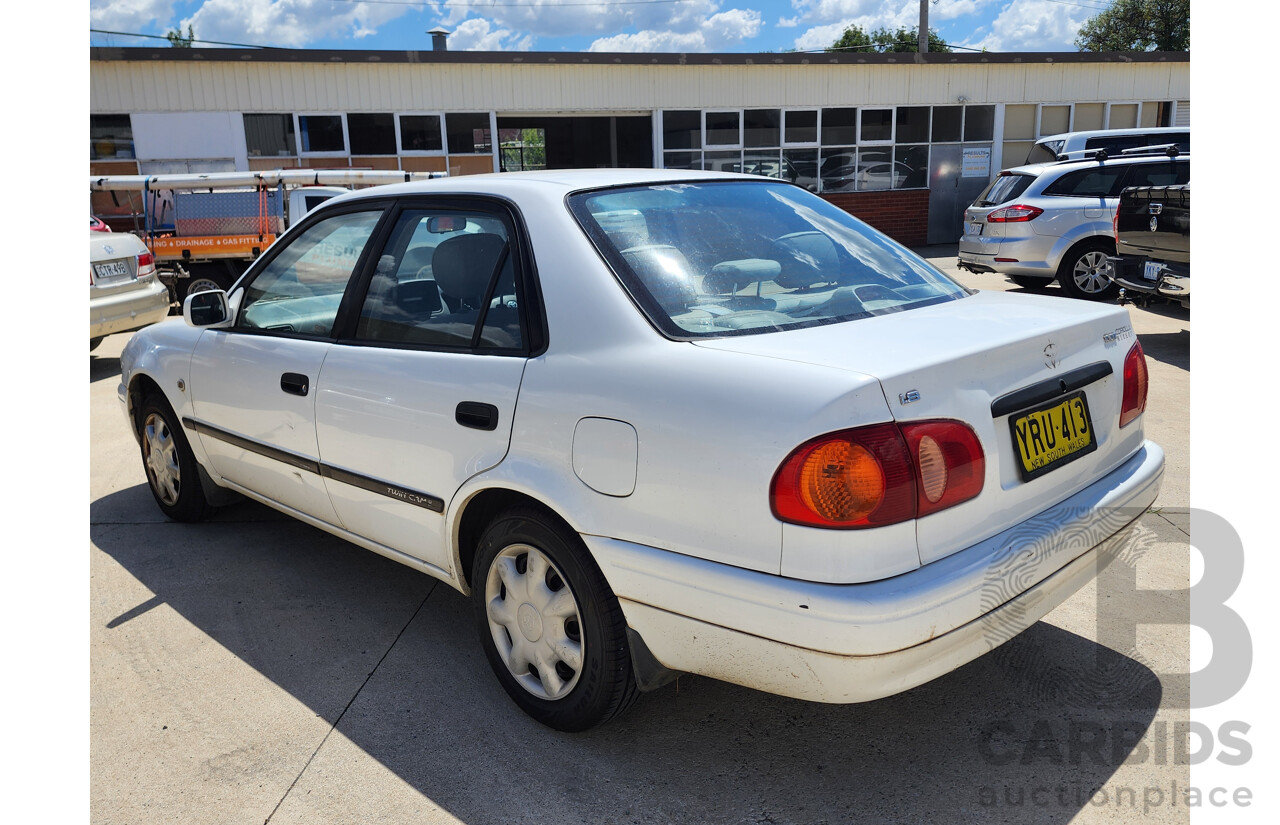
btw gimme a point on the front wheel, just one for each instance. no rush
(170, 465)
(1083, 272)
(550, 626)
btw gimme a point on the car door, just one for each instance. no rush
(253, 384)
(419, 393)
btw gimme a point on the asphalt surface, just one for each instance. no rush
(254, 669)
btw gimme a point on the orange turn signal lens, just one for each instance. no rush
(841, 481)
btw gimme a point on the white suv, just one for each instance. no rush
(1053, 220)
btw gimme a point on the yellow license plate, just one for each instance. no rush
(1049, 436)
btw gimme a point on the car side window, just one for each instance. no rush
(444, 279)
(1099, 182)
(300, 289)
(1159, 174)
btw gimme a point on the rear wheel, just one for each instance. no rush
(1083, 272)
(550, 626)
(204, 277)
(170, 465)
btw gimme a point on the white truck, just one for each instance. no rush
(205, 229)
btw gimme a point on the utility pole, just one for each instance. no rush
(924, 26)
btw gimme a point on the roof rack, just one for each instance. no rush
(1170, 149)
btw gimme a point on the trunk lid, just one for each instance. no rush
(959, 358)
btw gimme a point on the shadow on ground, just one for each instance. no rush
(317, 615)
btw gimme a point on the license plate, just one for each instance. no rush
(975, 229)
(1048, 436)
(112, 271)
(1151, 270)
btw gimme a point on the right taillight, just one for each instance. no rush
(1017, 213)
(878, 475)
(1134, 399)
(1115, 225)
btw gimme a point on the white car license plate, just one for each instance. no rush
(1151, 270)
(112, 272)
(975, 229)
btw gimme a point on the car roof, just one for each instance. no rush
(1150, 130)
(568, 180)
(1036, 169)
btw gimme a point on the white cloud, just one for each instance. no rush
(129, 15)
(713, 34)
(788, 22)
(1034, 25)
(291, 23)
(477, 35)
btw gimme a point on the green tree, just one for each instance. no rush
(1138, 26)
(854, 39)
(177, 41)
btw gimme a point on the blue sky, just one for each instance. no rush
(583, 25)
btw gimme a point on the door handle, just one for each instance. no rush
(294, 383)
(476, 415)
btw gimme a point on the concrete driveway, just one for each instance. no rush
(254, 669)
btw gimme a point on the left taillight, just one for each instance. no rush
(1134, 398)
(878, 475)
(146, 264)
(1018, 213)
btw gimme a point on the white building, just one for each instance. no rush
(904, 141)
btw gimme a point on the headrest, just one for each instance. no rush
(666, 273)
(728, 277)
(806, 258)
(463, 265)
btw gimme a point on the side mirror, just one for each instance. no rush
(207, 310)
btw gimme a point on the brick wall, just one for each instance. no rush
(902, 215)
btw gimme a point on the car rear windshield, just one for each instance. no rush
(1004, 188)
(1045, 152)
(743, 257)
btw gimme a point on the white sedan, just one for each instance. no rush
(658, 422)
(124, 292)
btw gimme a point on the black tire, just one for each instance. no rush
(172, 474)
(1082, 272)
(1030, 282)
(93, 343)
(203, 277)
(602, 685)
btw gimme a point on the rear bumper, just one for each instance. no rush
(129, 310)
(1173, 280)
(1030, 254)
(858, 642)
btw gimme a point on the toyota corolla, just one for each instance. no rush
(655, 422)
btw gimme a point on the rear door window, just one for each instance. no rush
(1159, 174)
(1098, 182)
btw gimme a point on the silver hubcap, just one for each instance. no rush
(1090, 273)
(201, 285)
(160, 455)
(535, 621)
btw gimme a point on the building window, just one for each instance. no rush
(372, 134)
(946, 123)
(845, 149)
(421, 133)
(468, 133)
(877, 126)
(724, 129)
(321, 133)
(761, 127)
(839, 127)
(979, 123)
(800, 126)
(269, 135)
(110, 136)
